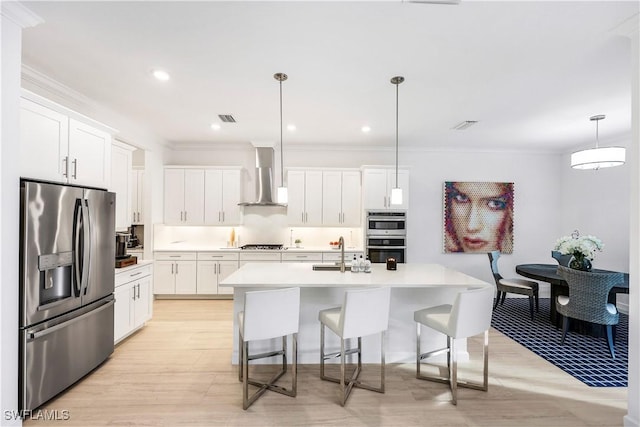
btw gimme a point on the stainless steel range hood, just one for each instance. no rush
(264, 179)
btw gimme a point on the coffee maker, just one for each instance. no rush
(121, 245)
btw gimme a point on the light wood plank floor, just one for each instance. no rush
(177, 371)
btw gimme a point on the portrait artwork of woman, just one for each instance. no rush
(478, 217)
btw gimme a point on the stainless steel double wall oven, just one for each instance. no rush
(386, 235)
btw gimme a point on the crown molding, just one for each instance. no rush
(19, 14)
(629, 27)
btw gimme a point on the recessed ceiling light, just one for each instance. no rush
(291, 128)
(161, 75)
(366, 129)
(215, 126)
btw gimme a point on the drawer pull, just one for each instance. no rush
(135, 274)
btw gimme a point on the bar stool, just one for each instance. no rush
(364, 312)
(469, 315)
(267, 315)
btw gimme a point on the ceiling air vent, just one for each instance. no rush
(464, 125)
(227, 118)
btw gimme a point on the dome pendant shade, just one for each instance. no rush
(598, 157)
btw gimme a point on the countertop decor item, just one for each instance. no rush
(581, 248)
(297, 242)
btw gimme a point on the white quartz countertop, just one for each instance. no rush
(187, 247)
(274, 275)
(141, 263)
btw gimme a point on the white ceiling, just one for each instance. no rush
(531, 73)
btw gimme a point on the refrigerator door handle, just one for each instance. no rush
(39, 334)
(86, 255)
(77, 228)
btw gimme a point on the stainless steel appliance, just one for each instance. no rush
(386, 236)
(66, 284)
(386, 223)
(262, 247)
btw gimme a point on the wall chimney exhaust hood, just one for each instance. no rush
(264, 178)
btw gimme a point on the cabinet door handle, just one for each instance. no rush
(65, 171)
(219, 217)
(75, 168)
(176, 268)
(138, 286)
(172, 268)
(185, 216)
(215, 268)
(133, 297)
(222, 216)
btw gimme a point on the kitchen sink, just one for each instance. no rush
(330, 267)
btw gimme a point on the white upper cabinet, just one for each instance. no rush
(221, 197)
(184, 196)
(44, 142)
(341, 194)
(121, 183)
(137, 196)
(305, 198)
(57, 147)
(89, 155)
(377, 185)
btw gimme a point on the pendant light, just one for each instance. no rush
(283, 196)
(596, 158)
(396, 192)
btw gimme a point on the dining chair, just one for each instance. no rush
(588, 300)
(267, 315)
(469, 315)
(512, 285)
(364, 312)
(561, 258)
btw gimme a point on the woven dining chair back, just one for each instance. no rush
(589, 294)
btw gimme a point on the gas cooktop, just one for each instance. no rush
(262, 247)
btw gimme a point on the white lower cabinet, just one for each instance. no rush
(249, 256)
(214, 267)
(175, 273)
(133, 306)
(302, 257)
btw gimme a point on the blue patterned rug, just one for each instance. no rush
(584, 357)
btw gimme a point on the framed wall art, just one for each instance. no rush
(478, 217)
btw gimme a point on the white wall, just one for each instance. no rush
(13, 18)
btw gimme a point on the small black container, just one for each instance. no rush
(392, 264)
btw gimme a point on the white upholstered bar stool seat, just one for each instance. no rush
(267, 315)
(364, 312)
(469, 315)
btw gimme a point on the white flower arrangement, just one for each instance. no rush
(579, 246)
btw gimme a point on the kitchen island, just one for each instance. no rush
(414, 286)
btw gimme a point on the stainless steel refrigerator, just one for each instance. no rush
(67, 252)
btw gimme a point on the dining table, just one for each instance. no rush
(548, 273)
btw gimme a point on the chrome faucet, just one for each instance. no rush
(341, 242)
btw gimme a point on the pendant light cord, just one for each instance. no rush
(281, 148)
(397, 135)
